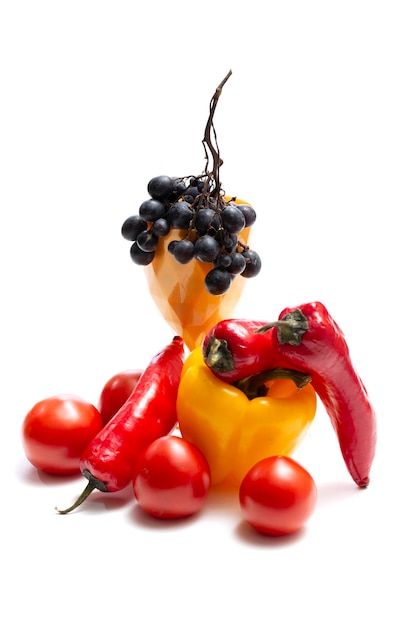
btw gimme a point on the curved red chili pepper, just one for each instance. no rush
(309, 339)
(233, 350)
(149, 413)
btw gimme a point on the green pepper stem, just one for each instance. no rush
(254, 386)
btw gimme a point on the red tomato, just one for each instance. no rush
(172, 478)
(56, 432)
(116, 391)
(277, 496)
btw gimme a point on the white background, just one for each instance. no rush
(318, 129)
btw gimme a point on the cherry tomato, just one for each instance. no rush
(115, 393)
(172, 478)
(277, 496)
(56, 432)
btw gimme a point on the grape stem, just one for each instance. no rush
(208, 142)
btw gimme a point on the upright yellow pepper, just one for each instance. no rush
(235, 432)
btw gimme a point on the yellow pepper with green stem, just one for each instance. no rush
(235, 426)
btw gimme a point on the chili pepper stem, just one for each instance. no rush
(290, 330)
(92, 484)
(254, 386)
(218, 356)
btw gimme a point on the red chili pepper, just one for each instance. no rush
(233, 350)
(149, 413)
(310, 340)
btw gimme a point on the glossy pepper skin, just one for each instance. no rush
(233, 349)
(234, 432)
(308, 338)
(149, 413)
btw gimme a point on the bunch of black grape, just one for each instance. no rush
(210, 223)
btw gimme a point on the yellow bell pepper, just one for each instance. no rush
(235, 432)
